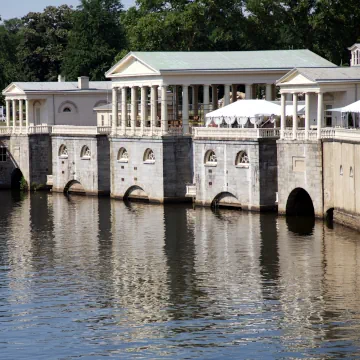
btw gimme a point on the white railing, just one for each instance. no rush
(191, 190)
(147, 131)
(5, 130)
(39, 129)
(234, 133)
(74, 130)
(104, 130)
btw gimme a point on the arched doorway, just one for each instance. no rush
(299, 203)
(16, 179)
(226, 199)
(136, 193)
(74, 187)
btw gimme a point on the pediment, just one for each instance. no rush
(130, 66)
(295, 78)
(13, 89)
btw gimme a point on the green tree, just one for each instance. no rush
(97, 36)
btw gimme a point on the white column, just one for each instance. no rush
(283, 116)
(176, 102)
(133, 109)
(248, 91)
(206, 100)
(8, 113)
(124, 110)
(14, 113)
(185, 109)
(21, 115)
(268, 93)
(295, 104)
(114, 110)
(27, 114)
(143, 108)
(319, 114)
(307, 115)
(164, 110)
(214, 97)
(234, 92)
(195, 102)
(226, 94)
(153, 108)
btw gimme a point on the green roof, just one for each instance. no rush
(231, 60)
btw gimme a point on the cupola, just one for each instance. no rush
(355, 54)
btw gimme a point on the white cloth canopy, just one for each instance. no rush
(353, 108)
(241, 110)
(289, 110)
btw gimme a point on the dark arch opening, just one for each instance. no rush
(299, 203)
(74, 187)
(226, 200)
(329, 218)
(16, 177)
(136, 193)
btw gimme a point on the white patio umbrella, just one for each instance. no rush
(241, 110)
(300, 110)
(353, 108)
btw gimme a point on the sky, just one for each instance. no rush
(10, 8)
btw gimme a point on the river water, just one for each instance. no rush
(90, 278)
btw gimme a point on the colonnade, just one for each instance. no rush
(320, 115)
(158, 121)
(15, 112)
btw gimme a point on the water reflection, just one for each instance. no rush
(95, 277)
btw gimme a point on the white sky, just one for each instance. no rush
(18, 8)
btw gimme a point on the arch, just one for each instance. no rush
(299, 203)
(68, 104)
(226, 199)
(16, 179)
(100, 103)
(136, 193)
(85, 153)
(149, 156)
(63, 152)
(123, 155)
(75, 187)
(210, 158)
(242, 159)
(329, 218)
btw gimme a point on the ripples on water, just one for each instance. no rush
(89, 278)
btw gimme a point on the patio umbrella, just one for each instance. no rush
(353, 108)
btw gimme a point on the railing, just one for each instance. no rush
(38, 129)
(5, 130)
(191, 190)
(148, 131)
(235, 133)
(104, 130)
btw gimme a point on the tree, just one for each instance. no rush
(97, 36)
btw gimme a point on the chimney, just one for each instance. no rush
(61, 78)
(83, 82)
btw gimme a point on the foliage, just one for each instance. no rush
(23, 184)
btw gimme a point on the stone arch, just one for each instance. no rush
(63, 151)
(136, 193)
(299, 203)
(16, 177)
(210, 158)
(226, 199)
(68, 104)
(74, 186)
(329, 217)
(149, 156)
(100, 103)
(85, 152)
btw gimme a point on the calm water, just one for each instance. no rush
(92, 278)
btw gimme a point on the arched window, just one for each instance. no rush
(63, 152)
(67, 109)
(85, 153)
(210, 158)
(123, 155)
(341, 170)
(351, 172)
(242, 159)
(149, 156)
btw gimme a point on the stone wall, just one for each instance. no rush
(251, 186)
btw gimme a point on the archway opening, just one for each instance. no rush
(136, 193)
(329, 218)
(16, 179)
(74, 187)
(226, 200)
(299, 203)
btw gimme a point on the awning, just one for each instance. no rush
(351, 108)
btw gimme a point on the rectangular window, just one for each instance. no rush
(328, 116)
(2, 154)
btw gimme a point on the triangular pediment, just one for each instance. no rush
(130, 65)
(13, 89)
(294, 77)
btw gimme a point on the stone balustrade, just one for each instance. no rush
(235, 133)
(190, 190)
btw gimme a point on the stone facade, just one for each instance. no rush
(159, 180)
(250, 185)
(80, 171)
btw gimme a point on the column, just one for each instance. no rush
(114, 110)
(214, 97)
(195, 94)
(319, 114)
(133, 109)
(307, 115)
(143, 108)
(268, 92)
(21, 115)
(8, 113)
(153, 107)
(234, 92)
(206, 101)
(226, 94)
(248, 92)
(27, 114)
(124, 110)
(176, 102)
(295, 104)
(164, 109)
(283, 116)
(14, 113)
(185, 109)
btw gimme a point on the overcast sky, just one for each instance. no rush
(18, 8)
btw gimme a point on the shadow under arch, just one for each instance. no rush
(329, 218)
(135, 193)
(16, 177)
(227, 200)
(299, 203)
(74, 187)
